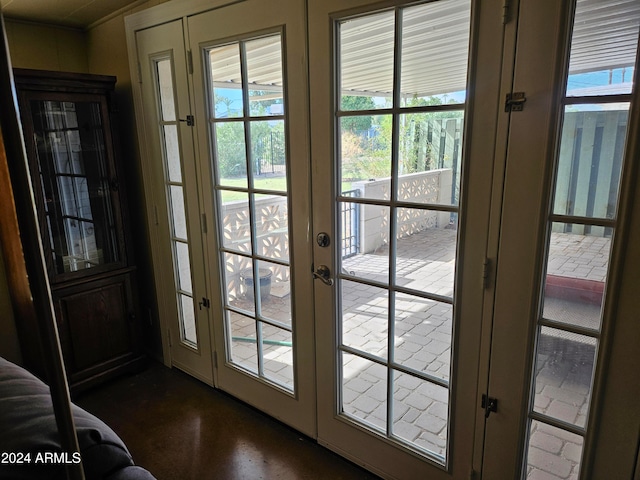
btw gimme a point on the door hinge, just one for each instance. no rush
(514, 102)
(205, 302)
(169, 335)
(203, 220)
(486, 272)
(505, 12)
(139, 73)
(190, 62)
(489, 404)
(215, 359)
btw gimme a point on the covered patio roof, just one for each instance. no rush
(434, 49)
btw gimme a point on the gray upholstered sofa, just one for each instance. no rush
(27, 426)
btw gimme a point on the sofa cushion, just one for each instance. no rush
(28, 426)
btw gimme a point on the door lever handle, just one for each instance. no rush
(323, 274)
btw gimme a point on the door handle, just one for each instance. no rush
(324, 274)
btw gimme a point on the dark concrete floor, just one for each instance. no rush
(179, 428)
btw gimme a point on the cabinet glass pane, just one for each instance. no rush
(73, 166)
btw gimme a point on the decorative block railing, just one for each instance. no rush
(272, 238)
(433, 186)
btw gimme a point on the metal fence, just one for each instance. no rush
(350, 225)
(269, 154)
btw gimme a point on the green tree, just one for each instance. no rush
(230, 156)
(360, 123)
(267, 139)
(415, 140)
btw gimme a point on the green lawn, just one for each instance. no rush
(278, 184)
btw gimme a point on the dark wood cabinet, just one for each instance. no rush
(75, 165)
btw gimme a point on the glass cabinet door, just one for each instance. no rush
(77, 184)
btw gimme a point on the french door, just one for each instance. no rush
(227, 131)
(381, 204)
(562, 306)
(402, 182)
(173, 203)
(249, 83)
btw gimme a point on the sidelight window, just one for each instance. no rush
(582, 226)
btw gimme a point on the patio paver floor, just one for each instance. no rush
(425, 261)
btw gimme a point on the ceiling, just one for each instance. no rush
(68, 13)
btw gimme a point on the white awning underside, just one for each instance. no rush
(434, 49)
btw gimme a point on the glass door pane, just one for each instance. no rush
(248, 130)
(175, 193)
(400, 128)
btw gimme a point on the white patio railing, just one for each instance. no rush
(433, 186)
